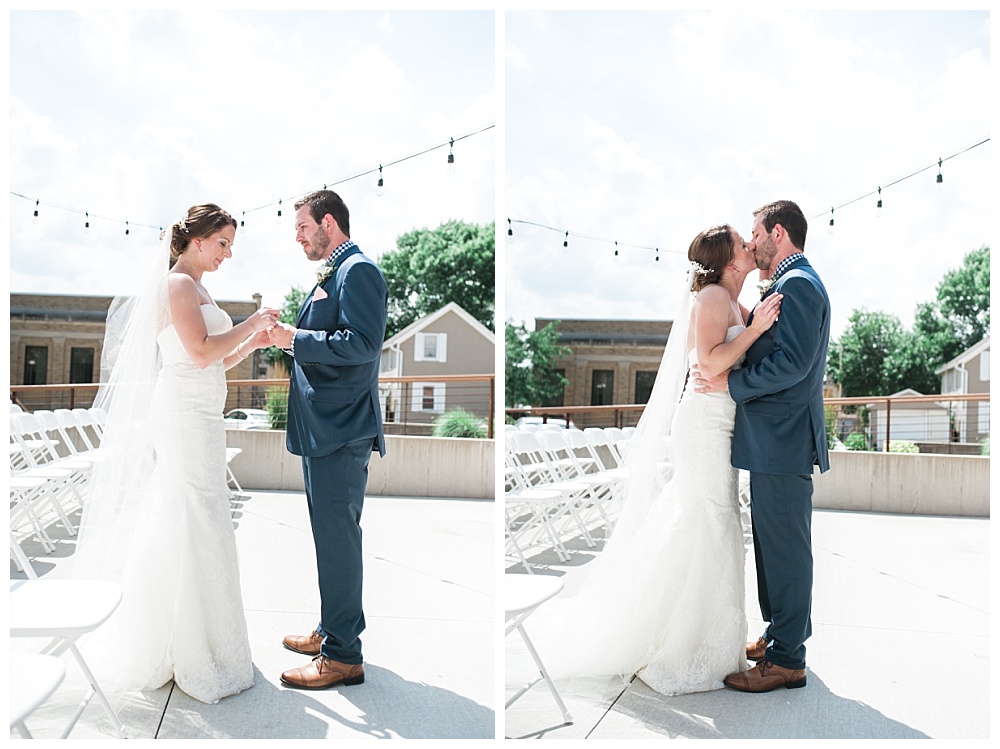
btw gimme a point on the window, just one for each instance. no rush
(81, 365)
(428, 397)
(388, 361)
(984, 366)
(644, 385)
(430, 347)
(36, 365)
(602, 387)
(557, 400)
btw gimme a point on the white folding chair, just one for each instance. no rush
(86, 419)
(575, 494)
(232, 452)
(522, 596)
(65, 610)
(530, 515)
(25, 517)
(37, 677)
(600, 486)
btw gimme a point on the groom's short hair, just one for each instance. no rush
(323, 202)
(790, 216)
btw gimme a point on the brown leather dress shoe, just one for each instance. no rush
(323, 673)
(306, 644)
(766, 676)
(757, 650)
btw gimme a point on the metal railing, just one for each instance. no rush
(410, 405)
(934, 423)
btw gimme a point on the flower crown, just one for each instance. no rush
(697, 269)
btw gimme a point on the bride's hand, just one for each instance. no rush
(766, 313)
(264, 318)
(260, 339)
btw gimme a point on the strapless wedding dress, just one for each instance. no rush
(667, 602)
(181, 615)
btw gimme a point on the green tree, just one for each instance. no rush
(530, 377)
(960, 316)
(431, 267)
(861, 360)
(289, 312)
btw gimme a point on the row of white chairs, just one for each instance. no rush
(52, 454)
(559, 484)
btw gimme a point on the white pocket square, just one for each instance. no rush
(319, 294)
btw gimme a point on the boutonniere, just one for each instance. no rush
(324, 272)
(764, 285)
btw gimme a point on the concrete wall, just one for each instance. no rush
(905, 483)
(412, 466)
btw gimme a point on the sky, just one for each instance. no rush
(648, 127)
(135, 116)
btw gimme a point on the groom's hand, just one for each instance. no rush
(705, 384)
(282, 335)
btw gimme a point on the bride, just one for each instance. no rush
(664, 600)
(157, 519)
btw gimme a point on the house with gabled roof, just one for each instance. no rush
(445, 343)
(969, 372)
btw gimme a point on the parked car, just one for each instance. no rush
(537, 421)
(247, 418)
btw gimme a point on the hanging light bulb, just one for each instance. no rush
(657, 254)
(451, 157)
(86, 223)
(878, 206)
(566, 244)
(378, 189)
(126, 230)
(277, 219)
(34, 219)
(510, 231)
(616, 250)
(830, 228)
(243, 222)
(940, 179)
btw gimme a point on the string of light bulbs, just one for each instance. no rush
(878, 191)
(129, 225)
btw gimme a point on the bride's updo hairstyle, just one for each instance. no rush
(713, 251)
(201, 221)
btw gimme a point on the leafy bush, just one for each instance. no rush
(459, 423)
(856, 441)
(903, 446)
(985, 446)
(277, 407)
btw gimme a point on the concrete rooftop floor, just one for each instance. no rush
(430, 643)
(900, 647)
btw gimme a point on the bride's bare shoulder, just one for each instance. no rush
(712, 297)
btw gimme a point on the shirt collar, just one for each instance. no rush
(341, 249)
(785, 264)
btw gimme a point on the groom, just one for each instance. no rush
(779, 435)
(334, 423)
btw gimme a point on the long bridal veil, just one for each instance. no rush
(130, 363)
(605, 626)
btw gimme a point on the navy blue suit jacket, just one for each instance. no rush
(780, 426)
(333, 391)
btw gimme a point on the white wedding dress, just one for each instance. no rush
(665, 598)
(181, 615)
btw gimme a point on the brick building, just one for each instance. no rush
(612, 361)
(57, 339)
